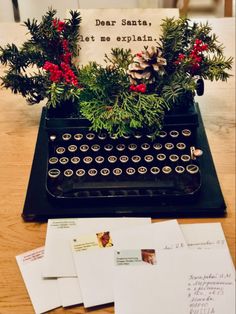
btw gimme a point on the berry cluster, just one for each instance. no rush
(195, 56)
(59, 25)
(140, 88)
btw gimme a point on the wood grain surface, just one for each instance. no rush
(18, 131)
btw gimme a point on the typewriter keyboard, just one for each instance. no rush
(85, 164)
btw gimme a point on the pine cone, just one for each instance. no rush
(145, 64)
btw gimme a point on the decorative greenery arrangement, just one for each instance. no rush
(131, 91)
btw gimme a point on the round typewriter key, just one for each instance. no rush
(72, 148)
(179, 169)
(155, 170)
(80, 172)
(185, 158)
(126, 136)
(112, 159)
(174, 157)
(148, 158)
(92, 172)
(142, 170)
(63, 160)
(161, 157)
(192, 168)
(60, 150)
(169, 146)
(166, 169)
(124, 158)
(84, 148)
(186, 132)
(105, 172)
(66, 136)
(137, 135)
(145, 146)
(53, 160)
(99, 159)
(54, 173)
(181, 146)
(157, 146)
(117, 171)
(102, 136)
(90, 136)
(136, 158)
(113, 137)
(95, 147)
(87, 160)
(108, 147)
(120, 147)
(162, 134)
(132, 147)
(78, 136)
(75, 160)
(68, 173)
(130, 171)
(52, 137)
(174, 133)
(149, 135)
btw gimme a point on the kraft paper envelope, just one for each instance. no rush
(43, 293)
(58, 261)
(173, 281)
(94, 260)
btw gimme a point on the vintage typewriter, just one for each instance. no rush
(81, 173)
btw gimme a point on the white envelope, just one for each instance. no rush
(69, 290)
(43, 293)
(94, 264)
(58, 261)
(181, 281)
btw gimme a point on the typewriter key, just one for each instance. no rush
(53, 160)
(174, 133)
(68, 173)
(179, 169)
(78, 136)
(99, 159)
(130, 171)
(124, 158)
(161, 157)
(126, 136)
(174, 157)
(195, 152)
(186, 132)
(136, 158)
(95, 147)
(137, 135)
(162, 134)
(192, 168)
(92, 172)
(54, 173)
(102, 136)
(63, 160)
(105, 172)
(155, 170)
(142, 170)
(157, 146)
(87, 160)
(60, 150)
(90, 136)
(72, 148)
(149, 135)
(148, 158)
(66, 136)
(169, 146)
(84, 148)
(166, 169)
(185, 158)
(108, 147)
(75, 160)
(120, 147)
(112, 159)
(113, 137)
(117, 171)
(52, 137)
(145, 146)
(181, 146)
(132, 147)
(80, 172)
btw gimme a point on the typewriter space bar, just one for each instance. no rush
(110, 185)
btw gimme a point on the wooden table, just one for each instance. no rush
(18, 131)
